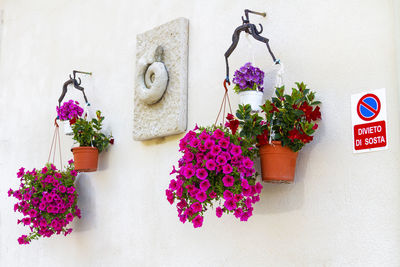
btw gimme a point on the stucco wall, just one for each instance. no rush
(343, 209)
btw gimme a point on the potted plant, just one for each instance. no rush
(91, 142)
(288, 124)
(48, 200)
(216, 170)
(68, 112)
(249, 83)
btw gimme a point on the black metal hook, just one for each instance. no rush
(252, 30)
(76, 83)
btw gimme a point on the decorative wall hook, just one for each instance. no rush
(76, 82)
(252, 30)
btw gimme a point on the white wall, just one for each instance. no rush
(343, 209)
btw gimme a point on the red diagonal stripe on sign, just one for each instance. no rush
(365, 105)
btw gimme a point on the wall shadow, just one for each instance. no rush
(281, 198)
(86, 203)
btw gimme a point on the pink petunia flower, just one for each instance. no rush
(198, 221)
(201, 196)
(204, 185)
(228, 180)
(219, 212)
(201, 173)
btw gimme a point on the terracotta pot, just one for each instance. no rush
(278, 163)
(85, 158)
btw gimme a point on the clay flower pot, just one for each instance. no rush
(85, 158)
(254, 98)
(278, 163)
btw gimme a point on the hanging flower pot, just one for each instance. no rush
(249, 82)
(253, 98)
(289, 121)
(68, 112)
(278, 163)
(67, 128)
(85, 158)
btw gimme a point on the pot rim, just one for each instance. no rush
(84, 148)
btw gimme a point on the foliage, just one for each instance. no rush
(248, 78)
(88, 133)
(48, 200)
(216, 168)
(291, 118)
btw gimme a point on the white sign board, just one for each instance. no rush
(369, 124)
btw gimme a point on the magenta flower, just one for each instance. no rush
(210, 165)
(33, 213)
(70, 217)
(188, 172)
(10, 192)
(194, 142)
(209, 143)
(215, 150)
(230, 204)
(62, 189)
(201, 174)
(204, 135)
(224, 143)
(245, 184)
(44, 170)
(21, 172)
(70, 190)
(198, 221)
(22, 240)
(258, 188)
(228, 194)
(204, 185)
(71, 161)
(248, 163)
(73, 173)
(219, 212)
(228, 180)
(196, 207)
(227, 169)
(237, 197)
(236, 150)
(238, 212)
(212, 195)
(221, 160)
(170, 196)
(201, 196)
(218, 134)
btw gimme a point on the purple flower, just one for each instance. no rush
(201, 174)
(196, 207)
(219, 212)
(230, 204)
(198, 221)
(204, 185)
(249, 78)
(228, 180)
(201, 196)
(210, 165)
(226, 169)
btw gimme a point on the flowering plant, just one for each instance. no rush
(216, 168)
(291, 118)
(248, 78)
(69, 110)
(48, 200)
(88, 133)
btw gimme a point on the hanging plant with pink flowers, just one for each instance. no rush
(216, 170)
(48, 200)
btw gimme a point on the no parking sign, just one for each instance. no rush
(368, 114)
